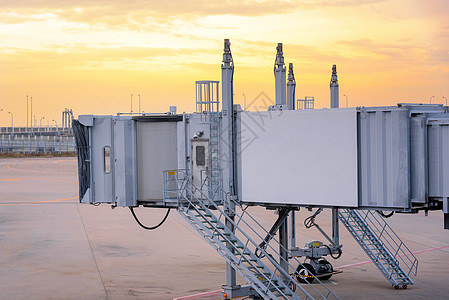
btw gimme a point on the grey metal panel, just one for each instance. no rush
(384, 158)
(238, 127)
(102, 182)
(125, 168)
(86, 120)
(156, 151)
(438, 145)
(418, 158)
(182, 142)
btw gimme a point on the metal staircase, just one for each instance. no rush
(239, 248)
(382, 245)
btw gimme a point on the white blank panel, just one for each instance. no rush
(156, 152)
(299, 157)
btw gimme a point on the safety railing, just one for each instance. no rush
(391, 241)
(37, 144)
(239, 220)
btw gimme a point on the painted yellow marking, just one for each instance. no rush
(57, 200)
(46, 179)
(41, 179)
(39, 202)
(11, 179)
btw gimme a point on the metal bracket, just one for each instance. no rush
(231, 292)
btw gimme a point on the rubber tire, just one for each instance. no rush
(327, 277)
(305, 269)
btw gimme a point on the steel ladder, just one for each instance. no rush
(382, 245)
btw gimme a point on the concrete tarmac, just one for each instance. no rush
(52, 247)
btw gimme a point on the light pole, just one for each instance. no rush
(244, 102)
(12, 122)
(56, 123)
(430, 101)
(27, 113)
(31, 114)
(446, 100)
(40, 123)
(131, 104)
(139, 104)
(346, 100)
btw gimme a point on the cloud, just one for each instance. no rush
(403, 55)
(140, 13)
(59, 58)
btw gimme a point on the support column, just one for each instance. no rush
(334, 87)
(283, 241)
(227, 74)
(291, 230)
(335, 227)
(231, 280)
(446, 212)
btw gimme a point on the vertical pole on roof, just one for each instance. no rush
(227, 74)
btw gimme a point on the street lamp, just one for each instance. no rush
(56, 123)
(430, 101)
(31, 114)
(244, 102)
(27, 114)
(346, 100)
(139, 103)
(12, 122)
(131, 104)
(446, 100)
(40, 123)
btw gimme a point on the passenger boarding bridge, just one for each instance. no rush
(363, 163)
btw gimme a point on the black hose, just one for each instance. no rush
(331, 254)
(146, 227)
(310, 221)
(385, 215)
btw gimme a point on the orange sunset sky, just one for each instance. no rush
(91, 55)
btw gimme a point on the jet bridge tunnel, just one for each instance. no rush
(385, 158)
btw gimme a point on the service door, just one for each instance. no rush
(102, 164)
(200, 164)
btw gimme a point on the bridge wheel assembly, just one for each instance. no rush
(325, 267)
(305, 273)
